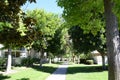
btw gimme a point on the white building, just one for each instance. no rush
(98, 58)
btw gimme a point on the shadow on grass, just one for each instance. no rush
(24, 79)
(47, 69)
(84, 69)
(3, 77)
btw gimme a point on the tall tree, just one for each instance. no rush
(81, 12)
(11, 22)
(47, 24)
(113, 41)
(85, 43)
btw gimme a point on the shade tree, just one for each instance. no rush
(80, 12)
(46, 24)
(86, 43)
(11, 25)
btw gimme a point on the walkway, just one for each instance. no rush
(59, 74)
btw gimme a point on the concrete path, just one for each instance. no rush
(59, 74)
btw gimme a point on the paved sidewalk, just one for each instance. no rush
(59, 74)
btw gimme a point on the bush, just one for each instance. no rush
(36, 60)
(2, 63)
(89, 62)
(83, 56)
(83, 61)
(27, 62)
(86, 56)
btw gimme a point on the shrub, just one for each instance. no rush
(2, 63)
(82, 60)
(83, 56)
(27, 62)
(89, 62)
(36, 60)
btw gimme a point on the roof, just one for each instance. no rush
(95, 53)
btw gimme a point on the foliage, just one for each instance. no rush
(59, 45)
(11, 12)
(84, 43)
(50, 55)
(85, 56)
(11, 23)
(75, 13)
(82, 56)
(89, 62)
(36, 60)
(9, 36)
(54, 45)
(2, 63)
(46, 24)
(78, 11)
(27, 61)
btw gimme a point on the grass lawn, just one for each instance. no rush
(34, 73)
(86, 72)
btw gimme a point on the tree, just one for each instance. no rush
(11, 39)
(10, 22)
(80, 12)
(85, 43)
(113, 41)
(54, 44)
(46, 24)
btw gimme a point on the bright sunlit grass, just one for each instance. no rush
(34, 73)
(86, 72)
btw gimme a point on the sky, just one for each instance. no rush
(47, 5)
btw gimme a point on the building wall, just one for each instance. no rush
(98, 60)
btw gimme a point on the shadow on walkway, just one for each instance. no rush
(61, 70)
(59, 74)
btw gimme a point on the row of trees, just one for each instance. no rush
(87, 14)
(88, 42)
(12, 27)
(41, 30)
(34, 29)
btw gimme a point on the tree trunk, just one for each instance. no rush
(41, 62)
(78, 60)
(41, 57)
(73, 59)
(113, 45)
(9, 60)
(103, 62)
(50, 60)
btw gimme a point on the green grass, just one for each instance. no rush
(34, 73)
(86, 72)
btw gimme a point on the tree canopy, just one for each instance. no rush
(85, 13)
(46, 24)
(75, 13)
